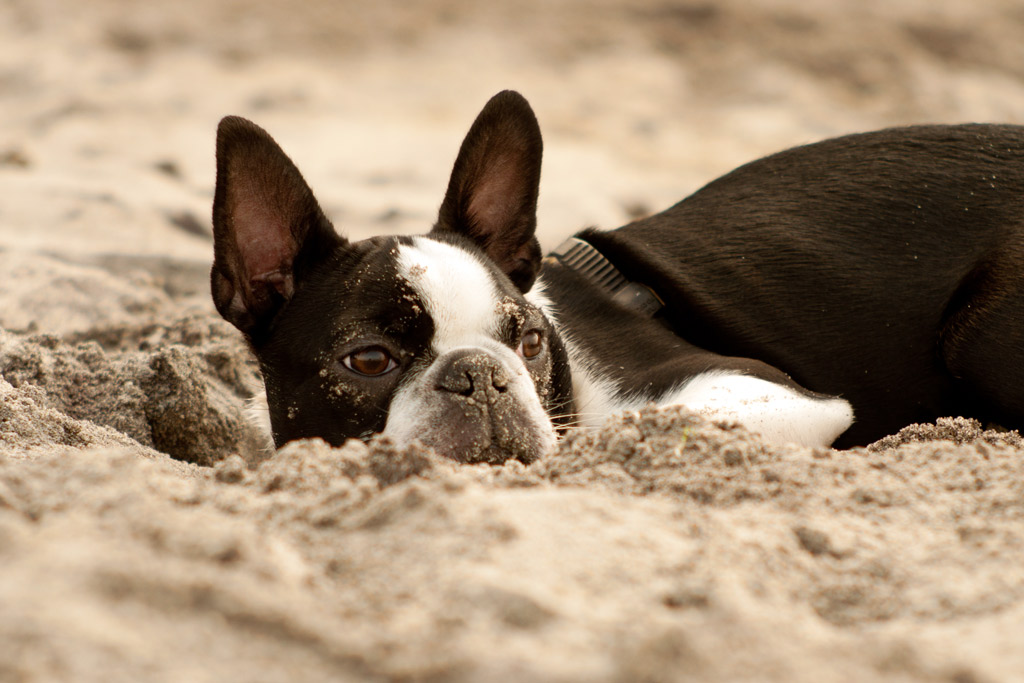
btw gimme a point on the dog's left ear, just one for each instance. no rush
(492, 194)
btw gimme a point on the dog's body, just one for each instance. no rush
(878, 271)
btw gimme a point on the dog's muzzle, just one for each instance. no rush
(484, 421)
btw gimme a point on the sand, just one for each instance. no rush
(145, 534)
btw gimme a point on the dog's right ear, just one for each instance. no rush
(268, 229)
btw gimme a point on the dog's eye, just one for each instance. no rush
(371, 361)
(531, 344)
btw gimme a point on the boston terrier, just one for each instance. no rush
(828, 294)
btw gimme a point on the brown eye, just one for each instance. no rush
(371, 361)
(531, 344)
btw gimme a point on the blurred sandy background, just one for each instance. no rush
(135, 545)
(108, 108)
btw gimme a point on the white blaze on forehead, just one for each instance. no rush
(456, 289)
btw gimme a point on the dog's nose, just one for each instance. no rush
(469, 371)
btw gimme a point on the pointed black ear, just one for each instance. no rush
(492, 194)
(268, 229)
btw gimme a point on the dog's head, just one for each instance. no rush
(429, 337)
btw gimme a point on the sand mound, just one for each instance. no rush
(672, 546)
(183, 396)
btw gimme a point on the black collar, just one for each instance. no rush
(582, 257)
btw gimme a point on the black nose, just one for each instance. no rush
(471, 371)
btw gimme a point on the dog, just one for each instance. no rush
(829, 294)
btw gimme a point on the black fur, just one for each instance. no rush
(309, 392)
(886, 268)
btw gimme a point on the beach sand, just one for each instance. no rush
(145, 535)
